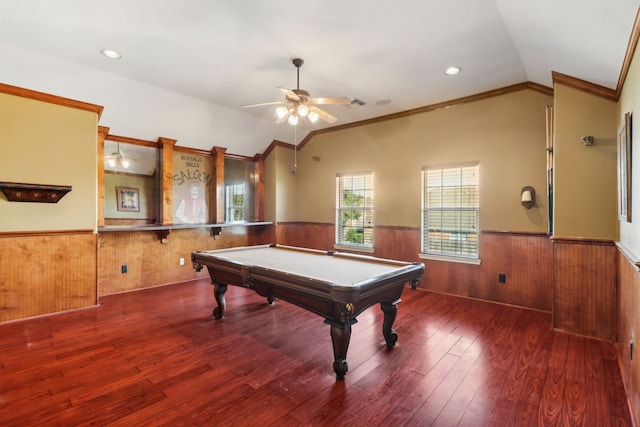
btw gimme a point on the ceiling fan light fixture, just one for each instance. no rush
(299, 103)
(313, 116)
(303, 110)
(112, 162)
(125, 163)
(281, 112)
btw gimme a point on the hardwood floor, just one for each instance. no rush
(157, 357)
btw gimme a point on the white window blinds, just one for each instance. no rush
(450, 211)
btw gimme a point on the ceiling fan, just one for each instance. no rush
(299, 103)
(117, 158)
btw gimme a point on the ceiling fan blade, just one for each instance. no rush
(338, 100)
(324, 115)
(289, 94)
(261, 104)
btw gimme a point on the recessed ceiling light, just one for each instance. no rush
(452, 71)
(111, 54)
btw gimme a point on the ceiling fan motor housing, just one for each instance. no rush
(303, 95)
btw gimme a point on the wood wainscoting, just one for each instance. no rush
(314, 235)
(47, 272)
(575, 279)
(629, 329)
(153, 263)
(524, 258)
(585, 281)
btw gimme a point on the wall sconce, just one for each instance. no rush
(587, 140)
(528, 197)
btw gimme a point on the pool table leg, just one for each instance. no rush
(218, 292)
(390, 311)
(340, 336)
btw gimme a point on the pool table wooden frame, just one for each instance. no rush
(335, 285)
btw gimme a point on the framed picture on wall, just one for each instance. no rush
(624, 169)
(128, 199)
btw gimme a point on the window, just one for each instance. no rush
(234, 203)
(450, 211)
(354, 210)
(241, 189)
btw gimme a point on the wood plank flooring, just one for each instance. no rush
(157, 358)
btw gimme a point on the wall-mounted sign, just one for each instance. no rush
(191, 182)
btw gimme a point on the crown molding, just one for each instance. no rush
(52, 99)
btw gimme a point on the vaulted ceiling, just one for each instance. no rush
(187, 67)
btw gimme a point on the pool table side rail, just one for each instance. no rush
(239, 273)
(318, 252)
(335, 291)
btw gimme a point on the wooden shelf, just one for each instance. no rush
(20, 192)
(163, 231)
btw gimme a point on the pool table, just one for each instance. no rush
(335, 285)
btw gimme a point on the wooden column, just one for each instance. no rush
(102, 134)
(259, 186)
(166, 187)
(217, 154)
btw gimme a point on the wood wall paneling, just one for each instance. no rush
(629, 329)
(397, 243)
(526, 261)
(46, 273)
(585, 288)
(218, 198)
(259, 184)
(166, 207)
(306, 234)
(152, 263)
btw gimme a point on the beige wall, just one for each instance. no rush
(43, 143)
(505, 134)
(584, 176)
(280, 185)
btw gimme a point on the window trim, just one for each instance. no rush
(450, 258)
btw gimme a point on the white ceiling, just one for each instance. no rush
(188, 66)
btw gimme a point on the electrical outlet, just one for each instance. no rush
(502, 278)
(181, 261)
(123, 268)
